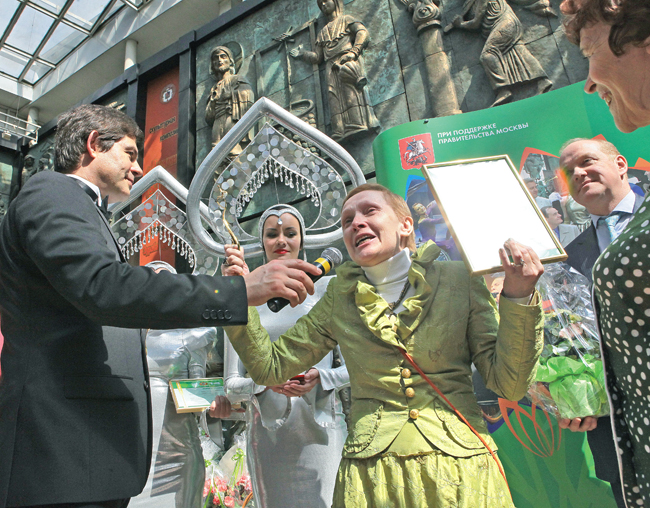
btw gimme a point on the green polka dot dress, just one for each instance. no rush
(622, 288)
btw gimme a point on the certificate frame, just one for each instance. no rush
(484, 202)
(195, 395)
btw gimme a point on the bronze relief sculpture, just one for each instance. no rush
(29, 169)
(340, 45)
(440, 86)
(229, 98)
(506, 60)
(425, 12)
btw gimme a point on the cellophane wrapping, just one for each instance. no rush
(227, 483)
(570, 381)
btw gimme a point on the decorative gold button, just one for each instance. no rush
(409, 392)
(406, 373)
(413, 414)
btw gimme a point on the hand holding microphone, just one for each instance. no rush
(329, 258)
(288, 278)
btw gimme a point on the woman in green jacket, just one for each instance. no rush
(406, 447)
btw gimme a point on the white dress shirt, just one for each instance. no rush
(91, 185)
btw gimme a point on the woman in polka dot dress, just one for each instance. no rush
(622, 289)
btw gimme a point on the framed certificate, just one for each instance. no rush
(195, 395)
(484, 203)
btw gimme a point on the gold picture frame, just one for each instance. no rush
(484, 202)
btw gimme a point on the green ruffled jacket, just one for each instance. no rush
(450, 322)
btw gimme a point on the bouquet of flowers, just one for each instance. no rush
(570, 381)
(228, 484)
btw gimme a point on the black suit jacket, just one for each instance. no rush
(584, 251)
(74, 396)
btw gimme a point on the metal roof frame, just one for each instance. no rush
(59, 18)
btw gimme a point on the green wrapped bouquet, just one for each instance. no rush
(570, 380)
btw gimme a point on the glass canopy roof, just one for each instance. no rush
(35, 35)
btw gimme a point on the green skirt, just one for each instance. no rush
(424, 481)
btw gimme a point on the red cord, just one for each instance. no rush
(458, 413)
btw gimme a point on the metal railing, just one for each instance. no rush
(11, 125)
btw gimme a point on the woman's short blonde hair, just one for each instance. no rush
(395, 201)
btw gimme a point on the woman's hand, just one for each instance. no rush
(285, 388)
(584, 424)
(294, 388)
(523, 272)
(234, 263)
(220, 407)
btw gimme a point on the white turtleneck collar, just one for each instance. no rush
(389, 277)
(394, 269)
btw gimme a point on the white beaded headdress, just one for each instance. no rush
(278, 211)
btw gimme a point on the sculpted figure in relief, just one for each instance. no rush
(340, 44)
(439, 85)
(426, 13)
(506, 60)
(229, 98)
(29, 169)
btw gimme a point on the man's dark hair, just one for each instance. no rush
(74, 127)
(545, 210)
(629, 20)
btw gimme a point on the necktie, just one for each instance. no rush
(104, 208)
(610, 221)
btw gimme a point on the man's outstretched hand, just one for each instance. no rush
(284, 278)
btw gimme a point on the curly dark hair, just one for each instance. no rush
(629, 20)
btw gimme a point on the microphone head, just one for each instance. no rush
(334, 255)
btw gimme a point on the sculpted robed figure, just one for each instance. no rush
(505, 58)
(230, 97)
(340, 44)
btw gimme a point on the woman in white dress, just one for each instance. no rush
(296, 430)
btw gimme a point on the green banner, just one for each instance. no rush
(546, 467)
(540, 124)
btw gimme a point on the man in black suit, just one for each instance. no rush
(74, 393)
(597, 177)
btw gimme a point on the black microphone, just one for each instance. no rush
(329, 258)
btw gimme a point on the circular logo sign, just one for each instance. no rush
(167, 93)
